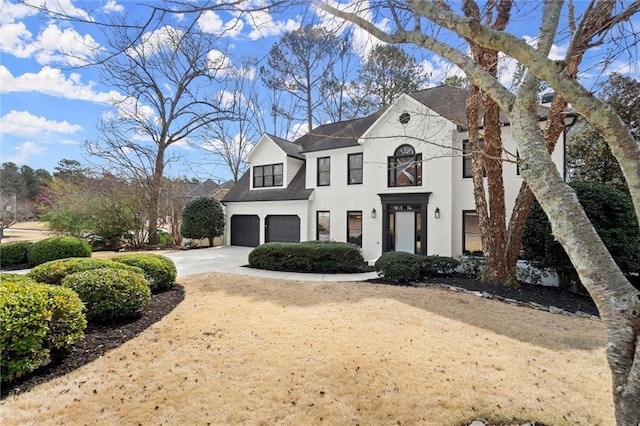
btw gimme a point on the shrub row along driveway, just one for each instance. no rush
(259, 351)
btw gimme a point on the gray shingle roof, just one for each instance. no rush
(295, 191)
(345, 135)
(290, 148)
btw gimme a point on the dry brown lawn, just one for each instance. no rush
(244, 350)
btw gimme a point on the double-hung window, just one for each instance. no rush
(354, 169)
(324, 171)
(267, 176)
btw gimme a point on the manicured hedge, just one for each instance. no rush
(15, 278)
(57, 248)
(53, 272)
(38, 322)
(400, 266)
(309, 256)
(159, 270)
(432, 266)
(109, 293)
(14, 253)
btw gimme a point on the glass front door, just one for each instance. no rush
(405, 231)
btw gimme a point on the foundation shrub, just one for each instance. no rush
(110, 294)
(432, 266)
(54, 271)
(159, 270)
(38, 322)
(14, 253)
(57, 248)
(398, 266)
(310, 256)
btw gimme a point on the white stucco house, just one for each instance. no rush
(395, 180)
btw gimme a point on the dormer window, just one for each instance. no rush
(405, 167)
(267, 176)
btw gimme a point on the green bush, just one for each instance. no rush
(24, 322)
(432, 266)
(309, 256)
(202, 217)
(53, 272)
(399, 266)
(108, 293)
(68, 321)
(15, 278)
(14, 253)
(57, 248)
(159, 270)
(37, 322)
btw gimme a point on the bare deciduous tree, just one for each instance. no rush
(167, 77)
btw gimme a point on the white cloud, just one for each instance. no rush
(297, 130)
(15, 39)
(51, 81)
(25, 152)
(362, 41)
(63, 7)
(23, 123)
(12, 12)
(218, 62)
(64, 46)
(211, 23)
(153, 41)
(263, 25)
(438, 69)
(113, 6)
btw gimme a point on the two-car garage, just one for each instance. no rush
(245, 229)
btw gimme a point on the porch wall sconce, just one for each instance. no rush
(373, 213)
(437, 213)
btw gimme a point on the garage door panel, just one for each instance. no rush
(282, 229)
(245, 230)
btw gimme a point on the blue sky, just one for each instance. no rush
(50, 104)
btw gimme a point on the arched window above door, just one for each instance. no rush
(405, 167)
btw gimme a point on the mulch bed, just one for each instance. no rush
(101, 338)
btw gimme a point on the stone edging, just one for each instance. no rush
(532, 305)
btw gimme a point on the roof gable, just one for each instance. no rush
(290, 149)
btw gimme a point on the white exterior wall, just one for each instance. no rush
(266, 152)
(439, 142)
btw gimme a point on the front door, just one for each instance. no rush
(405, 231)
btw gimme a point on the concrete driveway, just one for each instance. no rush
(233, 260)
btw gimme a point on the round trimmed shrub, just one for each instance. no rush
(57, 248)
(23, 326)
(68, 321)
(14, 253)
(38, 322)
(109, 293)
(53, 272)
(399, 266)
(432, 266)
(159, 270)
(16, 278)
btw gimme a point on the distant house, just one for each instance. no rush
(208, 188)
(394, 180)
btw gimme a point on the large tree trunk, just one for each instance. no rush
(617, 301)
